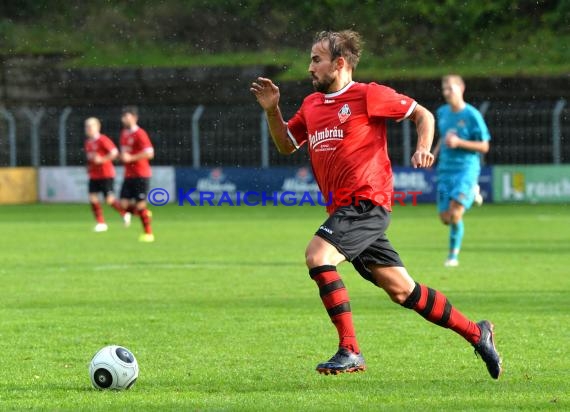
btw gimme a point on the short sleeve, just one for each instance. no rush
(109, 145)
(480, 131)
(144, 141)
(297, 129)
(383, 101)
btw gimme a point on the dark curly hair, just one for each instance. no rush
(345, 43)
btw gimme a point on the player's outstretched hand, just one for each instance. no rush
(422, 158)
(266, 93)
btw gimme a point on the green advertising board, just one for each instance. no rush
(531, 184)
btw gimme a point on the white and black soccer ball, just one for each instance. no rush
(113, 367)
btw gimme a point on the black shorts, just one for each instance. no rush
(135, 188)
(358, 232)
(104, 186)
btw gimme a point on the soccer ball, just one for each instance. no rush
(113, 367)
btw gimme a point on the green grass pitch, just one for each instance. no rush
(222, 315)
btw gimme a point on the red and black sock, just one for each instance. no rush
(336, 301)
(145, 219)
(435, 307)
(117, 206)
(97, 212)
(132, 209)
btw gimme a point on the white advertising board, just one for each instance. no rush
(69, 184)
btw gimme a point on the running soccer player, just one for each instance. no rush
(136, 151)
(463, 137)
(100, 151)
(344, 126)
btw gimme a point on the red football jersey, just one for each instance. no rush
(346, 134)
(135, 142)
(101, 146)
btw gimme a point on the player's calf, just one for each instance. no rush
(434, 306)
(348, 358)
(115, 204)
(395, 281)
(146, 218)
(97, 212)
(445, 218)
(337, 303)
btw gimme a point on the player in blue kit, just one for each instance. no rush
(463, 137)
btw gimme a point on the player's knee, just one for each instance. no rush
(398, 295)
(445, 218)
(455, 217)
(314, 259)
(315, 256)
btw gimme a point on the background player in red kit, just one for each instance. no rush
(100, 151)
(136, 151)
(344, 126)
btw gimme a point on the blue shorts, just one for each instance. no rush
(459, 187)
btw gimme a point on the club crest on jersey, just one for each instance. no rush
(344, 113)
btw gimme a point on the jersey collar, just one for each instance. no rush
(341, 91)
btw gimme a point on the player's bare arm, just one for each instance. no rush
(425, 126)
(112, 155)
(130, 158)
(267, 95)
(455, 142)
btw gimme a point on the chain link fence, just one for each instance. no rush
(212, 136)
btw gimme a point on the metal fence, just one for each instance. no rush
(208, 136)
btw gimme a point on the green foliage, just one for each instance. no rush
(559, 17)
(222, 315)
(412, 35)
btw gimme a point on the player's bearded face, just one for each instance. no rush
(323, 84)
(323, 69)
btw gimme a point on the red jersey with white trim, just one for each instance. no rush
(135, 142)
(346, 135)
(101, 146)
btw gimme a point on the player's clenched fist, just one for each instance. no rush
(266, 93)
(422, 158)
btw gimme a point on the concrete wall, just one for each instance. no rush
(41, 80)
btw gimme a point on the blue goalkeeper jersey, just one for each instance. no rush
(468, 124)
